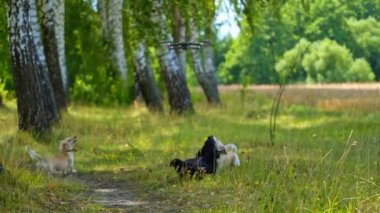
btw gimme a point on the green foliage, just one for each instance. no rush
(230, 70)
(256, 54)
(289, 66)
(361, 71)
(366, 33)
(274, 41)
(3, 92)
(6, 80)
(364, 9)
(323, 62)
(221, 47)
(326, 19)
(93, 80)
(328, 62)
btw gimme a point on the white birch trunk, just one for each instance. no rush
(35, 99)
(179, 35)
(175, 80)
(146, 81)
(182, 38)
(111, 18)
(197, 60)
(209, 54)
(59, 10)
(168, 58)
(115, 27)
(205, 73)
(36, 32)
(50, 27)
(48, 91)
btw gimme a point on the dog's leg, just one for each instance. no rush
(64, 172)
(73, 170)
(71, 164)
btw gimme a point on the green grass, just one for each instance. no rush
(322, 160)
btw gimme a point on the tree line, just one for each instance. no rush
(71, 49)
(110, 52)
(327, 40)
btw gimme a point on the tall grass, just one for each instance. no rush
(323, 160)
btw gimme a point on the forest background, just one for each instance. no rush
(332, 41)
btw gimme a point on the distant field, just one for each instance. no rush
(328, 96)
(325, 156)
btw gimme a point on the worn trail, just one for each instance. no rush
(115, 194)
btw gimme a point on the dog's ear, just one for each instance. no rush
(74, 139)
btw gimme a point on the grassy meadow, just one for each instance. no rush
(326, 155)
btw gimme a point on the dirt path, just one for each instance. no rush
(116, 195)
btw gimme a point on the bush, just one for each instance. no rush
(366, 33)
(326, 62)
(361, 71)
(323, 61)
(289, 66)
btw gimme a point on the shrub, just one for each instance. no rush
(289, 66)
(323, 61)
(361, 71)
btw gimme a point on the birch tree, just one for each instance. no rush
(35, 99)
(146, 81)
(179, 35)
(205, 73)
(59, 8)
(175, 80)
(53, 40)
(111, 15)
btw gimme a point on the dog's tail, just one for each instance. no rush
(32, 153)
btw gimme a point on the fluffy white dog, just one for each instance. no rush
(230, 158)
(62, 163)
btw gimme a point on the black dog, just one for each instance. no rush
(204, 161)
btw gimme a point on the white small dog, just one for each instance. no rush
(62, 163)
(231, 158)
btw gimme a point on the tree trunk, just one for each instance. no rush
(179, 35)
(60, 37)
(111, 16)
(35, 99)
(175, 80)
(102, 8)
(50, 32)
(205, 74)
(146, 81)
